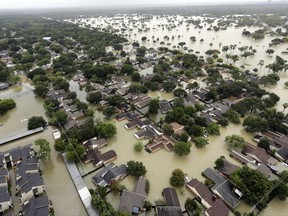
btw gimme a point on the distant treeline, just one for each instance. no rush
(213, 10)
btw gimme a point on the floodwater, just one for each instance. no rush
(161, 163)
(60, 188)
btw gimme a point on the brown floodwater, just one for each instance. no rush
(161, 163)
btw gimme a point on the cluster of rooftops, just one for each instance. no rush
(20, 166)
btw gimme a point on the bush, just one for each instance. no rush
(178, 178)
(138, 146)
(36, 122)
(182, 148)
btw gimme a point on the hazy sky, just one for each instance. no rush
(12, 4)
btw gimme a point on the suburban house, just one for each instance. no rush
(259, 154)
(127, 115)
(133, 201)
(223, 188)
(177, 128)
(148, 132)
(159, 142)
(98, 159)
(228, 168)
(5, 199)
(139, 123)
(164, 106)
(37, 206)
(214, 205)
(29, 185)
(172, 207)
(95, 143)
(15, 155)
(253, 164)
(110, 175)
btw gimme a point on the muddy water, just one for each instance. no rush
(160, 164)
(157, 27)
(60, 188)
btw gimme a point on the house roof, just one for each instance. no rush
(4, 172)
(164, 105)
(259, 154)
(176, 127)
(202, 190)
(37, 206)
(131, 202)
(109, 173)
(228, 168)
(4, 195)
(171, 197)
(147, 132)
(168, 211)
(140, 186)
(283, 152)
(223, 187)
(218, 209)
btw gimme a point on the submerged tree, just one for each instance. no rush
(44, 152)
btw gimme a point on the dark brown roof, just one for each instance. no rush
(202, 190)
(171, 197)
(218, 209)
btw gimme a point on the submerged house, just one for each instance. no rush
(133, 201)
(214, 205)
(223, 188)
(172, 207)
(110, 175)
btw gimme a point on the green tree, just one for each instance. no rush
(192, 207)
(232, 116)
(44, 152)
(40, 90)
(219, 163)
(253, 184)
(178, 178)
(200, 142)
(59, 118)
(264, 143)
(135, 76)
(182, 148)
(235, 141)
(168, 86)
(138, 146)
(136, 169)
(6, 104)
(59, 145)
(127, 69)
(167, 129)
(36, 122)
(109, 111)
(153, 106)
(213, 129)
(255, 124)
(107, 130)
(94, 97)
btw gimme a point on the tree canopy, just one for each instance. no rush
(44, 152)
(136, 169)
